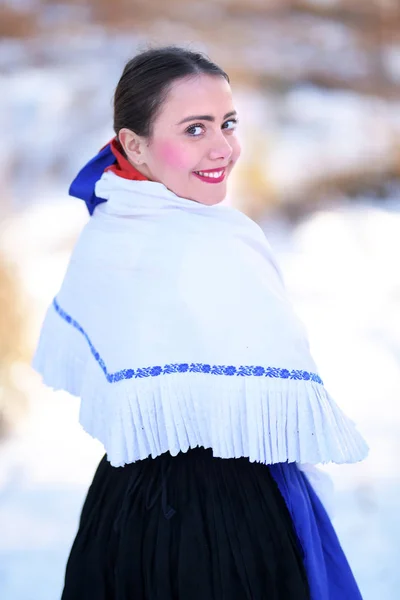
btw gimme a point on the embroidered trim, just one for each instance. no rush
(230, 370)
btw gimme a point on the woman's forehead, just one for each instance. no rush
(199, 95)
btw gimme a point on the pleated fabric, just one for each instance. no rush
(188, 527)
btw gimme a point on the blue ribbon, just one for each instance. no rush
(84, 183)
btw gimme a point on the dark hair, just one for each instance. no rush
(145, 82)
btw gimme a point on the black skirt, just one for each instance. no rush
(189, 527)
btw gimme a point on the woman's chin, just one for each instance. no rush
(210, 195)
(213, 196)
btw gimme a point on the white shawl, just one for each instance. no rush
(174, 328)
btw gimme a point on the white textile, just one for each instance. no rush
(174, 328)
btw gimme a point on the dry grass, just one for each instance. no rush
(16, 24)
(12, 348)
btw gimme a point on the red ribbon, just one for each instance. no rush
(122, 167)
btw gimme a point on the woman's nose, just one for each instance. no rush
(220, 148)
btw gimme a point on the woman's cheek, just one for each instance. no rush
(173, 155)
(236, 150)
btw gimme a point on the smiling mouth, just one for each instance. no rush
(211, 176)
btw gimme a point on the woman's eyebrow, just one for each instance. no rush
(233, 113)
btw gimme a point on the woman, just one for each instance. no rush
(173, 327)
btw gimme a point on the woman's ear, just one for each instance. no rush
(134, 146)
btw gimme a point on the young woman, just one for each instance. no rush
(173, 327)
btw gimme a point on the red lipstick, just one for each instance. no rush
(211, 175)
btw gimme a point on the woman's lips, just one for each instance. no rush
(211, 175)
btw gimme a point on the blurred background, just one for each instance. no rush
(317, 88)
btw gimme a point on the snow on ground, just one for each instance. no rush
(341, 268)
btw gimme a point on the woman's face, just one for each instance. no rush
(193, 145)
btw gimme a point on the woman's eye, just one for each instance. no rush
(195, 130)
(198, 129)
(231, 124)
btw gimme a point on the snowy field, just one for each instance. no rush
(341, 266)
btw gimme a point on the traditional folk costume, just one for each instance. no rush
(174, 329)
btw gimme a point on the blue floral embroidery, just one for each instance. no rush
(155, 371)
(259, 371)
(246, 371)
(229, 370)
(196, 367)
